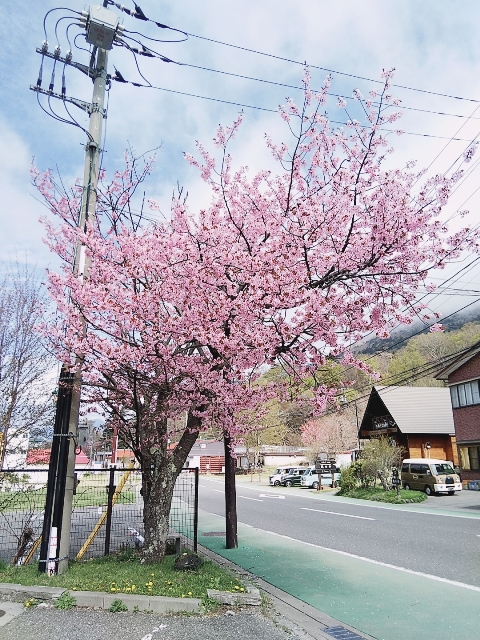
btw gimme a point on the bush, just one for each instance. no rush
(65, 601)
(348, 480)
(116, 606)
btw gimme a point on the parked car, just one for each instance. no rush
(276, 478)
(310, 478)
(293, 477)
(430, 475)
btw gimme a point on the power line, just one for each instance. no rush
(138, 13)
(283, 84)
(257, 108)
(409, 375)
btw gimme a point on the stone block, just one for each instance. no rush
(226, 597)
(160, 604)
(43, 593)
(9, 591)
(130, 601)
(89, 598)
(20, 593)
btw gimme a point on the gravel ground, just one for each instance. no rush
(52, 624)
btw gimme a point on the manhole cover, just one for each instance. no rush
(212, 534)
(2, 613)
(340, 633)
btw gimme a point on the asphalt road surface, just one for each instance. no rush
(419, 538)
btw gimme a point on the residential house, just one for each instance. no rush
(419, 419)
(463, 379)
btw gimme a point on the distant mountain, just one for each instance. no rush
(399, 336)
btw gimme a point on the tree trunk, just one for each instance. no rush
(156, 515)
(159, 474)
(230, 497)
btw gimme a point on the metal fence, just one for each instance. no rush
(107, 513)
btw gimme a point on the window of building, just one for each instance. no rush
(465, 394)
(470, 458)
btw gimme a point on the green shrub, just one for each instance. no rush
(348, 480)
(116, 606)
(65, 601)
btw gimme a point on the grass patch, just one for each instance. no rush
(117, 606)
(379, 495)
(34, 499)
(125, 574)
(65, 601)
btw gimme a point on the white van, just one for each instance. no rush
(310, 478)
(276, 478)
(430, 475)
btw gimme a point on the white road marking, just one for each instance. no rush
(256, 499)
(454, 583)
(149, 636)
(265, 495)
(334, 513)
(218, 490)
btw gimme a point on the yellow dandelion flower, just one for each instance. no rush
(189, 593)
(113, 589)
(237, 587)
(133, 587)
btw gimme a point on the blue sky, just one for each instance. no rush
(433, 44)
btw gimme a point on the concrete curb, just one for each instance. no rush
(251, 597)
(101, 600)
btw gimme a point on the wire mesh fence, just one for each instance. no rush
(107, 513)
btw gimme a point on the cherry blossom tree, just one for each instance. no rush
(288, 268)
(332, 433)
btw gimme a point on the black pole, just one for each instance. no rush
(62, 461)
(108, 524)
(195, 513)
(231, 539)
(63, 382)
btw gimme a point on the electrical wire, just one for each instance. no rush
(154, 39)
(334, 71)
(72, 24)
(299, 88)
(410, 375)
(139, 14)
(51, 11)
(56, 27)
(282, 84)
(250, 106)
(75, 43)
(342, 73)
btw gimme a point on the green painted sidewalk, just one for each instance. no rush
(386, 603)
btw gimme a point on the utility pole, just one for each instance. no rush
(231, 537)
(102, 27)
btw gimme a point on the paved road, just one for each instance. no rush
(427, 541)
(51, 624)
(392, 572)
